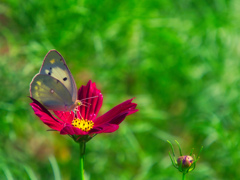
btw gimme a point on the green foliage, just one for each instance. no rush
(180, 59)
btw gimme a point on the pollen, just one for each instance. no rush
(52, 61)
(83, 124)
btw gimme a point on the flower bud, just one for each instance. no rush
(186, 161)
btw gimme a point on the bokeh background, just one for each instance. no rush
(180, 59)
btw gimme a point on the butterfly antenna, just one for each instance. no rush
(89, 98)
(86, 103)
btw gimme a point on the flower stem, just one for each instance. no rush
(82, 153)
(183, 176)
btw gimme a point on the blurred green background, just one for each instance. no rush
(180, 59)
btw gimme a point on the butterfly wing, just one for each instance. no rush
(55, 66)
(51, 93)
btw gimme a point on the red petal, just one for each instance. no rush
(92, 104)
(106, 128)
(112, 116)
(72, 131)
(45, 115)
(65, 116)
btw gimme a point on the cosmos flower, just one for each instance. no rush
(85, 121)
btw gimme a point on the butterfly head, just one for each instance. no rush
(76, 104)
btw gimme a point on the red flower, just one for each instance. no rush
(85, 120)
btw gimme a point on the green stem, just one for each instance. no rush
(183, 176)
(82, 153)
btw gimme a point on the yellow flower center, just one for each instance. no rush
(83, 124)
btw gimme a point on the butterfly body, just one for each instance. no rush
(54, 86)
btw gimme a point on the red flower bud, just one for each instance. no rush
(186, 161)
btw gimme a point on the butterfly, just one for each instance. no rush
(54, 86)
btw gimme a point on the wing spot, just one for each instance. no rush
(39, 83)
(50, 68)
(65, 78)
(52, 91)
(52, 61)
(49, 74)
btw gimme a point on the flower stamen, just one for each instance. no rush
(83, 124)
